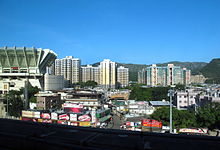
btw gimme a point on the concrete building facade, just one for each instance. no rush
(142, 76)
(46, 101)
(107, 74)
(90, 73)
(21, 64)
(122, 76)
(69, 67)
(185, 99)
(53, 82)
(165, 76)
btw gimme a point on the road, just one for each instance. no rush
(117, 122)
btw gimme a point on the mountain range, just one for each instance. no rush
(210, 70)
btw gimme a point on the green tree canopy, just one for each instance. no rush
(14, 102)
(31, 92)
(181, 118)
(148, 94)
(87, 84)
(209, 116)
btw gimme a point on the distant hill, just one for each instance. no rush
(195, 67)
(133, 70)
(212, 71)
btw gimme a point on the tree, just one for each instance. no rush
(209, 116)
(148, 94)
(31, 92)
(87, 84)
(14, 102)
(91, 84)
(181, 118)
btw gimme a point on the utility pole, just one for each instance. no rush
(171, 94)
(7, 107)
(26, 103)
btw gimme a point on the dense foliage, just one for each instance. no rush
(31, 92)
(212, 71)
(87, 84)
(207, 116)
(181, 118)
(138, 92)
(148, 94)
(15, 101)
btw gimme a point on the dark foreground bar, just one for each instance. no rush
(19, 135)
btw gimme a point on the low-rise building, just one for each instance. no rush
(158, 104)
(88, 99)
(140, 108)
(185, 99)
(48, 100)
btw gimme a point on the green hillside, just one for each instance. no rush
(212, 71)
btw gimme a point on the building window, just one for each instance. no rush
(185, 101)
(184, 96)
(180, 101)
(180, 96)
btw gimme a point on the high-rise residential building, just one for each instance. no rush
(186, 76)
(107, 73)
(142, 76)
(87, 73)
(90, 73)
(69, 67)
(165, 76)
(96, 72)
(122, 76)
(152, 75)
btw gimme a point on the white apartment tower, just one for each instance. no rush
(69, 67)
(90, 73)
(122, 76)
(107, 73)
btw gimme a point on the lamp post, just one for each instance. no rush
(171, 94)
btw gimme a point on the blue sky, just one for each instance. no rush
(129, 31)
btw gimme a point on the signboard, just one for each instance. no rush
(28, 114)
(84, 118)
(62, 122)
(199, 130)
(45, 115)
(151, 123)
(40, 120)
(70, 107)
(54, 116)
(84, 124)
(73, 117)
(46, 121)
(64, 117)
(73, 123)
(93, 115)
(14, 68)
(37, 114)
(128, 123)
(26, 119)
